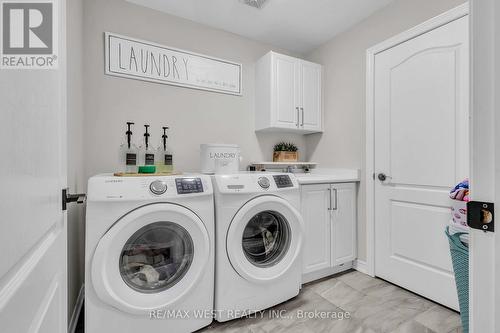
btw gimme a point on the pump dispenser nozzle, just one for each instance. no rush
(146, 136)
(165, 137)
(164, 160)
(129, 134)
(128, 151)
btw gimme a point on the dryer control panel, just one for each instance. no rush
(255, 182)
(188, 185)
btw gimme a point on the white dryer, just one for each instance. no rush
(149, 254)
(259, 234)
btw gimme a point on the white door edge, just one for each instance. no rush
(33, 284)
(484, 298)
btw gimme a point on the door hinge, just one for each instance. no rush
(68, 198)
(481, 215)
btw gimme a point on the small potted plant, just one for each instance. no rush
(285, 152)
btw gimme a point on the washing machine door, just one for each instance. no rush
(150, 258)
(264, 239)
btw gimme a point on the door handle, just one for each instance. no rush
(302, 124)
(383, 177)
(298, 116)
(68, 198)
(330, 198)
(334, 207)
(333, 194)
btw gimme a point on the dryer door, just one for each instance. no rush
(150, 258)
(264, 239)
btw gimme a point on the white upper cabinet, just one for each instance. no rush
(288, 94)
(286, 88)
(310, 96)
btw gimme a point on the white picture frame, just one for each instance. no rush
(137, 59)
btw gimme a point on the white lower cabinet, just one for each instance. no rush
(329, 212)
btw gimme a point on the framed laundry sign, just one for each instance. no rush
(142, 60)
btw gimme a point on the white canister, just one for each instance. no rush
(219, 158)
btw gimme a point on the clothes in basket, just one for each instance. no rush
(461, 191)
(460, 196)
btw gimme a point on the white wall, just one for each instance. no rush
(76, 176)
(194, 116)
(343, 142)
(198, 117)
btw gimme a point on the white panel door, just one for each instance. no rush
(343, 223)
(421, 145)
(33, 277)
(285, 87)
(310, 117)
(315, 203)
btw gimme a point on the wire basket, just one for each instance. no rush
(460, 260)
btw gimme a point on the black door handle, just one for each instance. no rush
(382, 177)
(67, 198)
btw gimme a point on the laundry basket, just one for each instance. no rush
(460, 259)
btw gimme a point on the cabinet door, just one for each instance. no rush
(343, 223)
(317, 241)
(311, 107)
(286, 75)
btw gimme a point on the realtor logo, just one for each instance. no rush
(29, 35)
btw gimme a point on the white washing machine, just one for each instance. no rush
(149, 254)
(259, 233)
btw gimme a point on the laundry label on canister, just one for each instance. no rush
(150, 159)
(168, 159)
(131, 159)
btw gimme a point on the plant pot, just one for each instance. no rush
(285, 156)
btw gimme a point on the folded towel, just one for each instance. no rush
(460, 195)
(453, 228)
(459, 212)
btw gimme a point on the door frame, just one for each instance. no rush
(484, 261)
(431, 24)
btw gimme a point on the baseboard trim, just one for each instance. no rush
(77, 310)
(316, 275)
(360, 266)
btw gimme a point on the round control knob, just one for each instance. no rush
(264, 182)
(158, 187)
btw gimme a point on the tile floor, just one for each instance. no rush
(375, 306)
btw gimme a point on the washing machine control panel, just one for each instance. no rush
(158, 187)
(188, 185)
(283, 181)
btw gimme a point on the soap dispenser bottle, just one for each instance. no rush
(147, 152)
(164, 159)
(129, 151)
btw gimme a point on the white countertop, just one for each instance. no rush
(319, 176)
